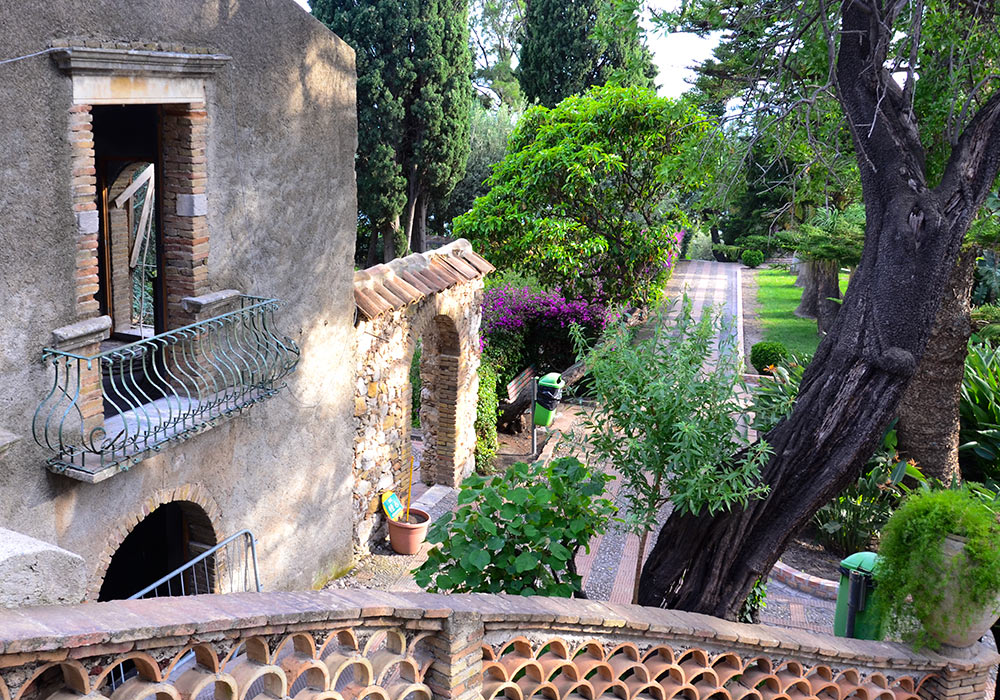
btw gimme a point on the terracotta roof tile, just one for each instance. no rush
(394, 285)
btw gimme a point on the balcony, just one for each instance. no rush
(107, 411)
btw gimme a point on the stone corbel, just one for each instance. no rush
(211, 304)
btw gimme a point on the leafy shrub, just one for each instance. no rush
(986, 285)
(752, 257)
(767, 353)
(487, 405)
(661, 421)
(774, 395)
(518, 532)
(701, 246)
(523, 326)
(912, 575)
(852, 521)
(979, 412)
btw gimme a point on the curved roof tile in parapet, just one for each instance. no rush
(395, 285)
(555, 670)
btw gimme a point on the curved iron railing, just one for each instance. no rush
(108, 411)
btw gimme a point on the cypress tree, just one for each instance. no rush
(414, 98)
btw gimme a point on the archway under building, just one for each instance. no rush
(169, 537)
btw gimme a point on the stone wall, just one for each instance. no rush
(360, 645)
(446, 322)
(265, 203)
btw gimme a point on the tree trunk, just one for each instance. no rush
(418, 238)
(797, 267)
(716, 240)
(389, 231)
(809, 276)
(827, 283)
(373, 246)
(851, 391)
(928, 414)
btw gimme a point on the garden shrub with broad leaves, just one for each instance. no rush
(979, 412)
(518, 532)
(588, 197)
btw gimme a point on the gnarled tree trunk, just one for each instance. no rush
(928, 414)
(852, 389)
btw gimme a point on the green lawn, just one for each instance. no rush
(777, 299)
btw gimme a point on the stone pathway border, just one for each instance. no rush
(806, 583)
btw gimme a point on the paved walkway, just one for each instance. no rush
(608, 570)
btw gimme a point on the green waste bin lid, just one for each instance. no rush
(552, 379)
(861, 561)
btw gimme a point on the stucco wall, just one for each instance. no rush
(282, 218)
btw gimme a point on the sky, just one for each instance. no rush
(673, 54)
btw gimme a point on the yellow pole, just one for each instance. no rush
(409, 490)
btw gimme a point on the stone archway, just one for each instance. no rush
(436, 297)
(205, 518)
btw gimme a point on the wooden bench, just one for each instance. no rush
(518, 400)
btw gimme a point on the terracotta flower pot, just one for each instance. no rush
(941, 625)
(406, 538)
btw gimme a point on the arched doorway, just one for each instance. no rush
(166, 539)
(440, 361)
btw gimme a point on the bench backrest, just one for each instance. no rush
(520, 384)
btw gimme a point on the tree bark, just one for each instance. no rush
(418, 238)
(797, 267)
(373, 246)
(851, 390)
(928, 414)
(827, 282)
(716, 240)
(808, 275)
(389, 231)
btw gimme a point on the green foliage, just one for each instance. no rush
(487, 406)
(979, 412)
(912, 574)
(518, 532)
(752, 258)
(853, 520)
(832, 235)
(494, 26)
(767, 353)
(490, 129)
(986, 286)
(775, 395)
(755, 602)
(568, 47)
(667, 424)
(416, 384)
(777, 299)
(413, 93)
(587, 196)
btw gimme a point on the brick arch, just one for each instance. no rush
(190, 493)
(435, 297)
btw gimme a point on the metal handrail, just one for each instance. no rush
(160, 389)
(202, 558)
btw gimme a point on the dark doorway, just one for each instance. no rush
(169, 537)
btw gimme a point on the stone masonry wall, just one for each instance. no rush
(371, 645)
(447, 324)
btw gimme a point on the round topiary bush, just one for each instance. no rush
(752, 257)
(767, 353)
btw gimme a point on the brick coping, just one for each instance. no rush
(58, 632)
(806, 583)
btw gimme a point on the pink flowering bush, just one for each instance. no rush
(523, 326)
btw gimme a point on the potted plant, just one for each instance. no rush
(939, 566)
(408, 531)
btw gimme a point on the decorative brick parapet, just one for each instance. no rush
(370, 644)
(801, 581)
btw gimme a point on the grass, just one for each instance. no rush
(777, 299)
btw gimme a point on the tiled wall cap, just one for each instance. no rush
(82, 333)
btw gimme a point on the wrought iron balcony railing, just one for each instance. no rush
(108, 411)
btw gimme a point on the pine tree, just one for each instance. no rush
(414, 97)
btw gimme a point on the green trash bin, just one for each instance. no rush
(856, 615)
(549, 392)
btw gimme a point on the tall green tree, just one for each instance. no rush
(570, 45)
(494, 31)
(918, 212)
(414, 95)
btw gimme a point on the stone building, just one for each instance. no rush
(176, 303)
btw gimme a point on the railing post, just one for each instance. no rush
(457, 670)
(84, 338)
